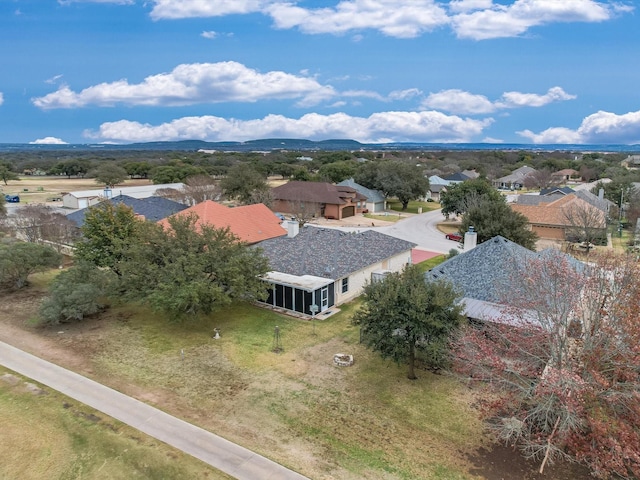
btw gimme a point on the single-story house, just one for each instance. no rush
(457, 177)
(319, 199)
(631, 162)
(515, 180)
(561, 219)
(250, 223)
(435, 191)
(375, 200)
(86, 198)
(485, 275)
(151, 208)
(326, 267)
(566, 175)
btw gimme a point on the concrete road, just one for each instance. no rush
(228, 457)
(420, 229)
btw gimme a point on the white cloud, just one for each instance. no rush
(174, 9)
(210, 34)
(600, 127)
(392, 18)
(1, 98)
(48, 141)
(512, 20)
(458, 6)
(458, 101)
(517, 99)
(404, 94)
(117, 2)
(379, 127)
(190, 84)
(53, 79)
(461, 102)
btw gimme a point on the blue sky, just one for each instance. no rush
(516, 71)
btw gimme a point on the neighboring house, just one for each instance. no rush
(436, 180)
(375, 201)
(152, 208)
(631, 162)
(319, 199)
(435, 191)
(250, 223)
(485, 275)
(515, 180)
(556, 190)
(326, 267)
(470, 174)
(86, 198)
(562, 218)
(566, 175)
(458, 177)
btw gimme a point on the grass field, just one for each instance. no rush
(36, 189)
(295, 407)
(47, 435)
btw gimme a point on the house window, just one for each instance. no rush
(345, 285)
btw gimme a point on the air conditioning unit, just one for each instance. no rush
(379, 275)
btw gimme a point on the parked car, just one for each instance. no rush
(12, 198)
(456, 237)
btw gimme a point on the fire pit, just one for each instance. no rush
(343, 360)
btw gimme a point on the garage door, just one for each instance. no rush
(348, 212)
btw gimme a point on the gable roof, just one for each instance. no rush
(250, 223)
(535, 199)
(555, 212)
(330, 253)
(436, 180)
(517, 175)
(315, 192)
(594, 200)
(551, 190)
(456, 177)
(373, 196)
(151, 208)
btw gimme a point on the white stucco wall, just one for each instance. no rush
(359, 279)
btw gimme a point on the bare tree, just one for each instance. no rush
(41, 223)
(304, 212)
(541, 179)
(199, 188)
(586, 223)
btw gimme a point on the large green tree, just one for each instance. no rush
(404, 314)
(242, 181)
(110, 174)
(495, 217)
(338, 171)
(458, 198)
(6, 174)
(394, 178)
(187, 271)
(18, 260)
(106, 231)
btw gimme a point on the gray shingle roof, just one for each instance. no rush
(151, 208)
(329, 253)
(487, 272)
(373, 196)
(532, 199)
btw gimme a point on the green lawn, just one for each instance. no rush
(413, 206)
(47, 435)
(294, 406)
(432, 262)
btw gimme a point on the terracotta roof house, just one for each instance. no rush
(319, 199)
(250, 223)
(562, 218)
(151, 208)
(375, 201)
(485, 275)
(515, 180)
(326, 267)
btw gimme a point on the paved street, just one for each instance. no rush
(228, 457)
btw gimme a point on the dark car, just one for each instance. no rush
(456, 237)
(12, 198)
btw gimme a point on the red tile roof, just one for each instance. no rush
(558, 212)
(250, 223)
